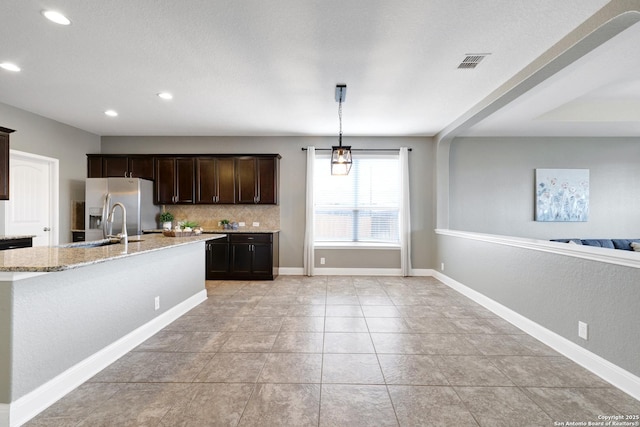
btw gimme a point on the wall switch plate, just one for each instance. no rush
(442, 266)
(583, 330)
(241, 224)
(157, 302)
(256, 224)
(322, 260)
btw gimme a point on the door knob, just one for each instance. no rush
(46, 229)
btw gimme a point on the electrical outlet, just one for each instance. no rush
(583, 330)
(219, 223)
(256, 224)
(442, 266)
(322, 261)
(241, 224)
(157, 302)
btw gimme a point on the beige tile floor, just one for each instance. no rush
(339, 351)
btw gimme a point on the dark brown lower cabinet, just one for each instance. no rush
(217, 258)
(243, 256)
(23, 242)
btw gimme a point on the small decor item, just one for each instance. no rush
(226, 225)
(166, 219)
(189, 225)
(562, 195)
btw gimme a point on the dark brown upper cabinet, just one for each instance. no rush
(4, 162)
(174, 182)
(107, 166)
(141, 167)
(215, 181)
(257, 180)
(197, 178)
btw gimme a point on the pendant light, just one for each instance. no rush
(340, 154)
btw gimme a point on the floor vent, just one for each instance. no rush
(472, 60)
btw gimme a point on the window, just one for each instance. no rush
(360, 207)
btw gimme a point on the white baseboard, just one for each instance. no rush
(422, 272)
(618, 377)
(30, 405)
(291, 271)
(357, 272)
(296, 271)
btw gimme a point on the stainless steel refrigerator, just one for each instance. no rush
(135, 194)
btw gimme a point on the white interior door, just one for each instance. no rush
(32, 207)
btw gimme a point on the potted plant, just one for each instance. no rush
(188, 225)
(225, 224)
(166, 218)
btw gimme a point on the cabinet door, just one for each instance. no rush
(141, 167)
(246, 180)
(115, 166)
(185, 176)
(267, 180)
(241, 259)
(206, 180)
(215, 180)
(226, 180)
(262, 260)
(217, 259)
(4, 166)
(165, 173)
(94, 167)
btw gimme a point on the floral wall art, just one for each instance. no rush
(562, 195)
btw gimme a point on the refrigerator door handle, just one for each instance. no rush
(105, 208)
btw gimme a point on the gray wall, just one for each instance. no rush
(61, 318)
(555, 292)
(492, 184)
(39, 135)
(292, 185)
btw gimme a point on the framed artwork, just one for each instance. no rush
(562, 195)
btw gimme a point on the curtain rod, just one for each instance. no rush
(361, 149)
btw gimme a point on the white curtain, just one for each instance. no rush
(405, 216)
(309, 252)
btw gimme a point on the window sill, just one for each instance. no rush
(356, 245)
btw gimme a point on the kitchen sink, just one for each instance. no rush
(97, 243)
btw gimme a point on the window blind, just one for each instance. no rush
(362, 206)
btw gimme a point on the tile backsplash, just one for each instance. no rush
(208, 216)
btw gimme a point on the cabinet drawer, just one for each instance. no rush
(251, 238)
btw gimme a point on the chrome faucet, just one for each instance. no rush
(123, 235)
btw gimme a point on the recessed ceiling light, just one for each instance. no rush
(165, 95)
(111, 113)
(9, 66)
(56, 17)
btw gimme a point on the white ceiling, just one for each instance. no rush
(597, 95)
(255, 67)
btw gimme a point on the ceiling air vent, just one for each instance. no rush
(472, 60)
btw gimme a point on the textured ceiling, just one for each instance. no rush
(597, 95)
(252, 67)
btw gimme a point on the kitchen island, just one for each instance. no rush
(66, 313)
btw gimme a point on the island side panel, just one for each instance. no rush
(62, 318)
(5, 338)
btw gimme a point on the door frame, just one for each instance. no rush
(54, 180)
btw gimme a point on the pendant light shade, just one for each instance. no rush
(341, 160)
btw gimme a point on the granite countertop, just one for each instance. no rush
(47, 259)
(28, 236)
(221, 231)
